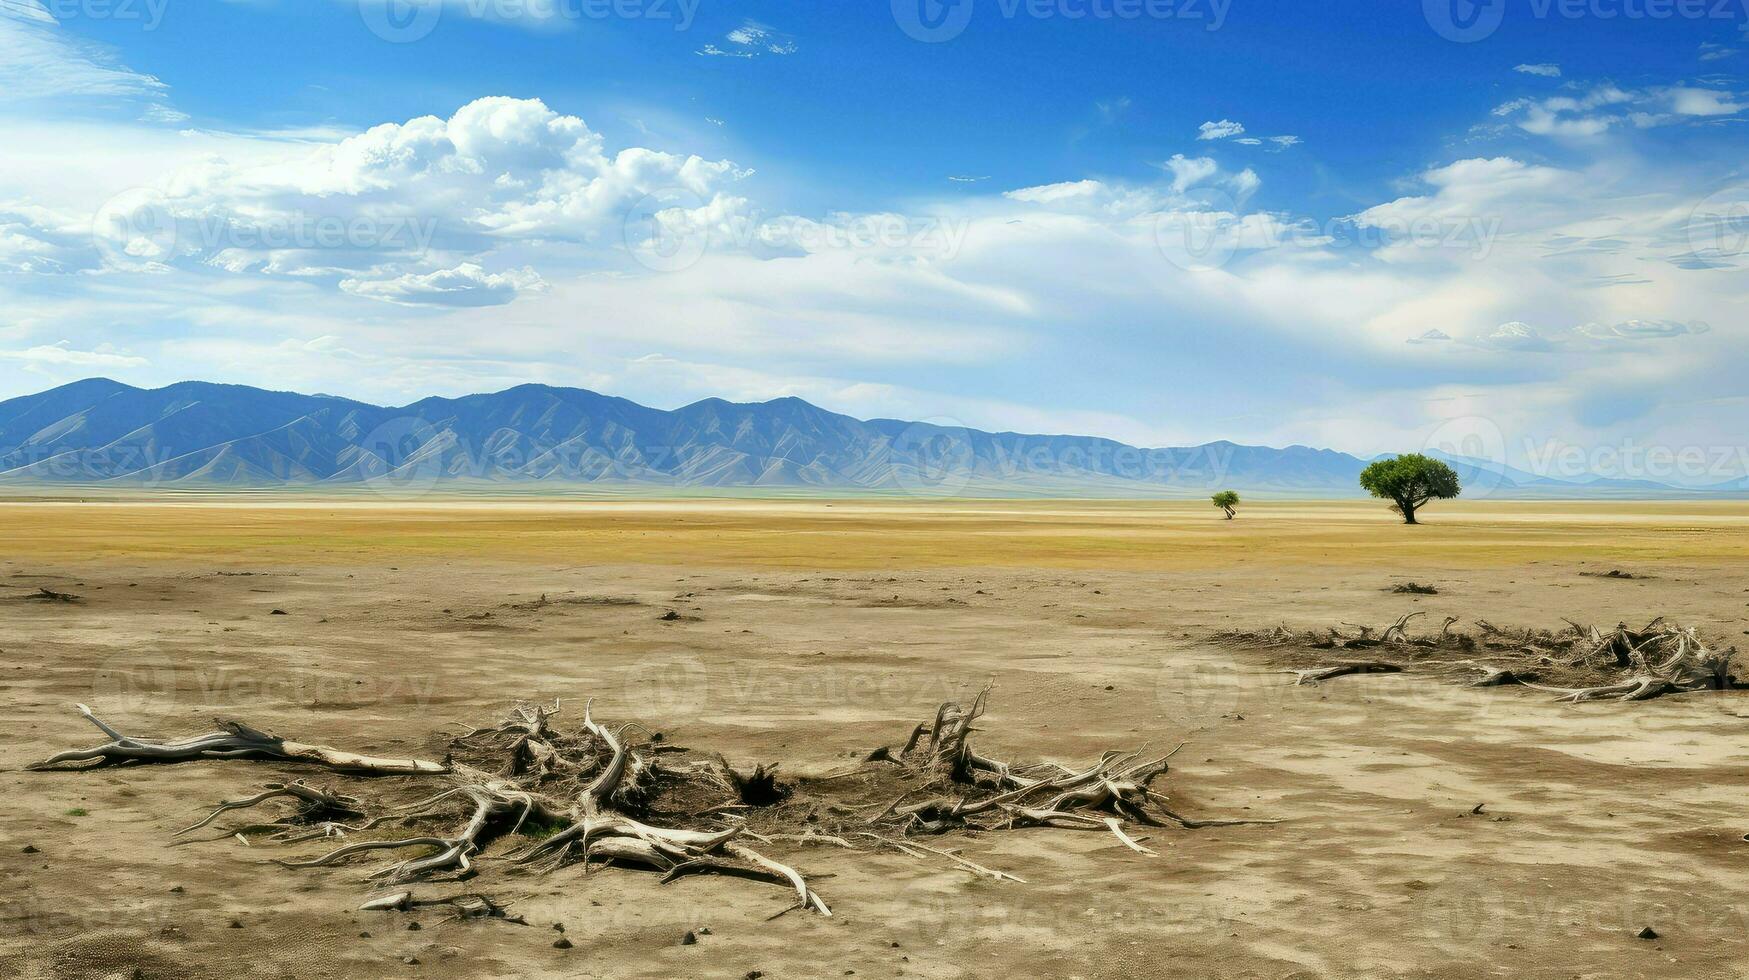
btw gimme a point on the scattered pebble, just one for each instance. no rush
(689, 939)
(1646, 932)
(561, 943)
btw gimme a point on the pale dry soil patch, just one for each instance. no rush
(810, 633)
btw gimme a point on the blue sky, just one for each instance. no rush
(1355, 225)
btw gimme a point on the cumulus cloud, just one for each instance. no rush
(465, 285)
(1434, 336)
(1472, 204)
(389, 205)
(1187, 172)
(1219, 130)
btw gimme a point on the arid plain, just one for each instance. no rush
(807, 633)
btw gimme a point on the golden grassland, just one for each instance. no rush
(858, 534)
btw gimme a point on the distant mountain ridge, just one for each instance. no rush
(198, 435)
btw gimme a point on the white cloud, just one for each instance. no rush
(1545, 70)
(751, 40)
(1516, 336)
(1046, 274)
(1069, 190)
(1605, 107)
(34, 239)
(1710, 51)
(1276, 143)
(160, 113)
(1642, 330)
(465, 285)
(1685, 101)
(1219, 130)
(400, 199)
(62, 354)
(1187, 172)
(40, 62)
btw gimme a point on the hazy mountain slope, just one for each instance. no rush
(194, 434)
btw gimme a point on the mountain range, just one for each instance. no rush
(197, 435)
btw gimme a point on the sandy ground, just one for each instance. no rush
(813, 632)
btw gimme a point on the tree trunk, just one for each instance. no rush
(1408, 509)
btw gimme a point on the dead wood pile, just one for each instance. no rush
(528, 796)
(1585, 663)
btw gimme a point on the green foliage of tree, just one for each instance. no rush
(1227, 500)
(1409, 481)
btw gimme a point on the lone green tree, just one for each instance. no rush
(1226, 500)
(1409, 481)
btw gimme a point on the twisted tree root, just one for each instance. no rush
(1343, 670)
(237, 741)
(470, 905)
(318, 804)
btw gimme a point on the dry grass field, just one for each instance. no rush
(807, 633)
